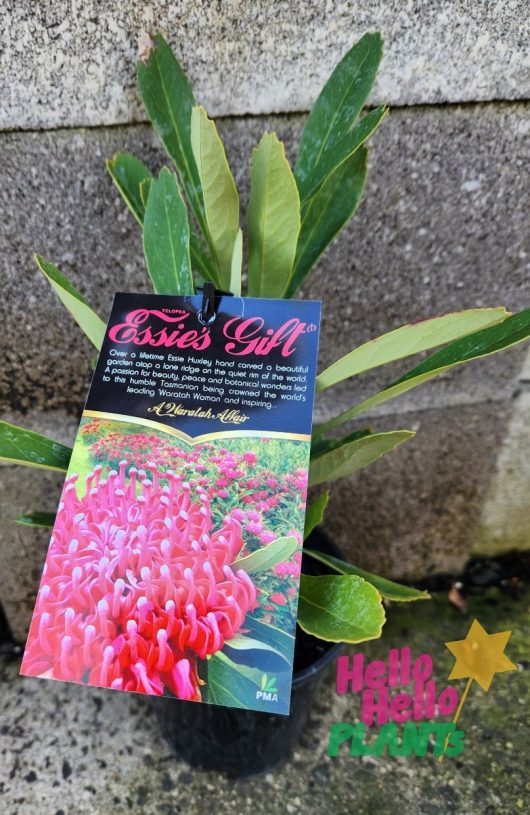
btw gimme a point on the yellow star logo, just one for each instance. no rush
(480, 655)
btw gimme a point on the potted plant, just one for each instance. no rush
(190, 224)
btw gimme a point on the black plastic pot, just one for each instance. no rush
(9, 647)
(243, 742)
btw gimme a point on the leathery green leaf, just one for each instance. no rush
(128, 174)
(268, 556)
(315, 513)
(354, 456)
(483, 343)
(168, 99)
(236, 265)
(221, 201)
(44, 520)
(339, 104)
(326, 213)
(228, 683)
(200, 261)
(20, 446)
(92, 325)
(167, 237)
(387, 588)
(240, 642)
(340, 608)
(320, 445)
(144, 194)
(273, 219)
(331, 161)
(280, 640)
(408, 340)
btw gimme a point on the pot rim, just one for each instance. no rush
(306, 674)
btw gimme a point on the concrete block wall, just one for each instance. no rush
(443, 226)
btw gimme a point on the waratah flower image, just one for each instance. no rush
(287, 568)
(137, 585)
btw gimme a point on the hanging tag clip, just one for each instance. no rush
(206, 315)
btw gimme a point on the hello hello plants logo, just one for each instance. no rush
(407, 723)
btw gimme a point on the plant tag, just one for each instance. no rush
(173, 567)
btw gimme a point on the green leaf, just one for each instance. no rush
(133, 180)
(221, 201)
(144, 194)
(319, 445)
(273, 219)
(282, 642)
(389, 589)
(341, 608)
(228, 683)
(236, 265)
(45, 520)
(243, 643)
(264, 681)
(315, 513)
(200, 260)
(354, 456)
(326, 213)
(408, 340)
(483, 343)
(332, 160)
(19, 446)
(129, 175)
(167, 237)
(268, 556)
(168, 99)
(87, 320)
(339, 104)
(247, 651)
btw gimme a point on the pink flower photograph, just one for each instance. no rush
(170, 564)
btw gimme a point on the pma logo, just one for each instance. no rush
(269, 691)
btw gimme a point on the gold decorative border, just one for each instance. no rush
(192, 440)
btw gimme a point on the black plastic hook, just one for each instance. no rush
(206, 314)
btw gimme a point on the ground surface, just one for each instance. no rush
(67, 750)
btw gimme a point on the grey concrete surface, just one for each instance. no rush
(70, 64)
(505, 518)
(415, 511)
(438, 230)
(69, 750)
